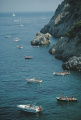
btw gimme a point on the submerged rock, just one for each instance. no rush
(73, 63)
(41, 39)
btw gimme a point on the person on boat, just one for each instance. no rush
(30, 105)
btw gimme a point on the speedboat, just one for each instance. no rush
(61, 73)
(28, 57)
(30, 108)
(34, 80)
(19, 46)
(66, 99)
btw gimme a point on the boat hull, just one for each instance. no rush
(61, 73)
(28, 57)
(66, 99)
(29, 108)
(33, 80)
(28, 111)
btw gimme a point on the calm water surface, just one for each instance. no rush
(14, 69)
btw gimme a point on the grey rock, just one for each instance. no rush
(66, 48)
(73, 63)
(41, 39)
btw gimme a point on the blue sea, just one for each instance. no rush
(14, 70)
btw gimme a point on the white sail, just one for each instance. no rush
(13, 15)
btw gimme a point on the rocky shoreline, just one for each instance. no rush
(66, 25)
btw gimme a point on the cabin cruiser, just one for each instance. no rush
(66, 99)
(61, 73)
(34, 80)
(28, 57)
(30, 108)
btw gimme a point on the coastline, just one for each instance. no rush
(65, 26)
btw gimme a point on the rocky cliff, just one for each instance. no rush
(66, 25)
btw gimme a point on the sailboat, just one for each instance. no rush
(21, 25)
(13, 15)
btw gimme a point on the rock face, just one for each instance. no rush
(66, 15)
(66, 48)
(41, 39)
(66, 25)
(74, 63)
(58, 22)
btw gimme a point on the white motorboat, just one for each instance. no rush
(61, 73)
(17, 39)
(34, 80)
(30, 108)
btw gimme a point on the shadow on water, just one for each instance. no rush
(30, 115)
(64, 103)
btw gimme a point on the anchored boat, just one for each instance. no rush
(19, 46)
(61, 73)
(66, 99)
(30, 108)
(34, 80)
(13, 15)
(28, 57)
(17, 39)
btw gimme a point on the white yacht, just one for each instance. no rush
(30, 108)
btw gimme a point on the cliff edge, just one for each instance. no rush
(66, 25)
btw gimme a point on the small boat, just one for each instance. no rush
(67, 99)
(19, 46)
(17, 39)
(34, 80)
(13, 15)
(30, 108)
(7, 36)
(61, 73)
(28, 57)
(21, 25)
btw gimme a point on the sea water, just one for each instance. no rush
(14, 70)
